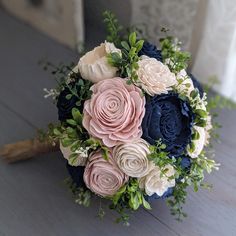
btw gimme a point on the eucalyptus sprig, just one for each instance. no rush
(127, 62)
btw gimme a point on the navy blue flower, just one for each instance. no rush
(197, 85)
(170, 119)
(185, 163)
(76, 174)
(150, 50)
(65, 105)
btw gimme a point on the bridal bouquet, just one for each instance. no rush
(133, 123)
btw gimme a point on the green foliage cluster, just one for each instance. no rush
(113, 28)
(81, 195)
(127, 61)
(194, 177)
(130, 196)
(79, 88)
(67, 77)
(172, 55)
(159, 156)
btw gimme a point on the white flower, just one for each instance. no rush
(51, 93)
(198, 144)
(185, 85)
(94, 66)
(132, 158)
(79, 160)
(157, 182)
(154, 77)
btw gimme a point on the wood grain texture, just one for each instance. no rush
(33, 199)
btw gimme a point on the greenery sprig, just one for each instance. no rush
(82, 196)
(172, 54)
(113, 28)
(127, 61)
(130, 196)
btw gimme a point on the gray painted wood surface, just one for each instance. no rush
(33, 199)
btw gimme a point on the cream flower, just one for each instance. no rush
(186, 85)
(208, 129)
(198, 143)
(94, 66)
(103, 177)
(156, 182)
(79, 160)
(154, 77)
(132, 158)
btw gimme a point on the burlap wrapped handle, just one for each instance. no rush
(26, 149)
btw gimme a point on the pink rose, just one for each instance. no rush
(115, 111)
(103, 177)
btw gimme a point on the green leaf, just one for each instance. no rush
(57, 132)
(146, 204)
(194, 94)
(132, 38)
(105, 153)
(77, 116)
(201, 123)
(72, 159)
(139, 45)
(125, 45)
(71, 122)
(68, 96)
(201, 113)
(66, 142)
(195, 135)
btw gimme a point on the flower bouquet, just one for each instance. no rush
(133, 123)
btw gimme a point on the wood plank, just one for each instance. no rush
(22, 79)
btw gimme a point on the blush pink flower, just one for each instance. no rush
(103, 177)
(115, 111)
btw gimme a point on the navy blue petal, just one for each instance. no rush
(150, 50)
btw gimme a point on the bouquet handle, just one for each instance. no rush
(26, 149)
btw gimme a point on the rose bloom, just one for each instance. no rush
(103, 177)
(80, 160)
(154, 77)
(169, 118)
(132, 158)
(155, 183)
(115, 111)
(94, 66)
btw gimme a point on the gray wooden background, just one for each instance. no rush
(33, 199)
